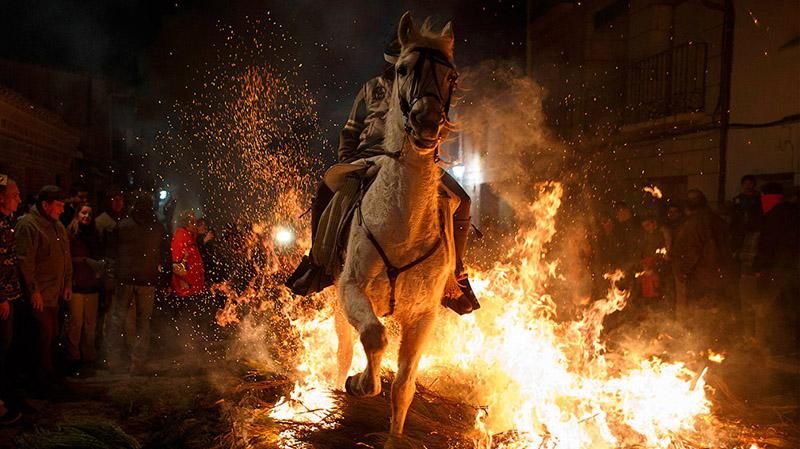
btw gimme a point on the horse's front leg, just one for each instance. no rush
(414, 337)
(359, 313)
(344, 351)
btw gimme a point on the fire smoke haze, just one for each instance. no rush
(252, 133)
(500, 115)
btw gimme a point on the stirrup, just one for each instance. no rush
(308, 278)
(465, 302)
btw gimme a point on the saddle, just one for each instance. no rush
(349, 181)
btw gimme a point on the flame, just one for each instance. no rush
(661, 251)
(654, 191)
(537, 381)
(716, 357)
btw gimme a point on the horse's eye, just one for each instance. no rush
(402, 70)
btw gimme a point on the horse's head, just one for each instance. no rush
(425, 80)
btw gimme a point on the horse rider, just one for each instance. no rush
(362, 137)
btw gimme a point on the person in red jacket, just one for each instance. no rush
(188, 280)
(188, 275)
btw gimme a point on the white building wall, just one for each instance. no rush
(765, 88)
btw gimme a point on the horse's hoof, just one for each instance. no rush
(354, 387)
(349, 386)
(397, 442)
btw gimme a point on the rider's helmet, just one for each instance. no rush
(392, 50)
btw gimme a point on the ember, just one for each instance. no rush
(654, 191)
(565, 392)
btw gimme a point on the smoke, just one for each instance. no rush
(501, 118)
(500, 113)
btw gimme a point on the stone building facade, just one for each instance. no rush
(639, 88)
(37, 147)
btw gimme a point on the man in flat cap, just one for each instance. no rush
(46, 267)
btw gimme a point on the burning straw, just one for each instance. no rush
(509, 376)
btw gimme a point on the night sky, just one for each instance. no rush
(157, 46)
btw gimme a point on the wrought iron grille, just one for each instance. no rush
(668, 83)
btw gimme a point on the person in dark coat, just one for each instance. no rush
(139, 245)
(746, 222)
(628, 232)
(207, 244)
(777, 266)
(45, 262)
(702, 258)
(105, 223)
(674, 218)
(604, 254)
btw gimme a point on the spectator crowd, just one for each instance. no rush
(79, 285)
(734, 273)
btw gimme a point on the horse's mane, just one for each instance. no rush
(430, 38)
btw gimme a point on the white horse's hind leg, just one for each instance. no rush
(414, 337)
(344, 351)
(358, 310)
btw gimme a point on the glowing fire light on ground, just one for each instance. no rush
(535, 382)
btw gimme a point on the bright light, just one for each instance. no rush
(474, 174)
(162, 195)
(458, 171)
(284, 236)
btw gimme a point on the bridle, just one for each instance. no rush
(416, 92)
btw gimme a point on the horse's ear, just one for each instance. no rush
(406, 29)
(447, 31)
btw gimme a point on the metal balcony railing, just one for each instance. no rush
(665, 84)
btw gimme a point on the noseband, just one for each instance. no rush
(435, 57)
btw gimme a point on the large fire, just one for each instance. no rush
(539, 382)
(534, 381)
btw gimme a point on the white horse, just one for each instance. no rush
(400, 243)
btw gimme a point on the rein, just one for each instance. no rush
(393, 272)
(435, 57)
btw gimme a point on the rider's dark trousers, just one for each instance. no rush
(462, 213)
(322, 197)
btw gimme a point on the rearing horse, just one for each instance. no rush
(400, 252)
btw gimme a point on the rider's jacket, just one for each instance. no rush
(362, 135)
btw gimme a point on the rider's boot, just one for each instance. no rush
(462, 301)
(309, 277)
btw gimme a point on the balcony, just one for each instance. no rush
(666, 84)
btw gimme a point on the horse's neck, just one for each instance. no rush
(410, 187)
(409, 184)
